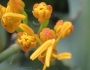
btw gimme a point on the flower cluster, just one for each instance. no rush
(47, 51)
(45, 39)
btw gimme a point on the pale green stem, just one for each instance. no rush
(43, 25)
(9, 52)
(25, 21)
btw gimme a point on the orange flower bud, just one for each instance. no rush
(46, 34)
(26, 41)
(67, 29)
(16, 6)
(42, 11)
(63, 28)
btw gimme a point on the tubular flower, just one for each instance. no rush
(16, 6)
(63, 28)
(46, 34)
(42, 11)
(26, 41)
(11, 21)
(46, 53)
(4, 10)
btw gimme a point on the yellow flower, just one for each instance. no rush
(42, 11)
(26, 41)
(29, 31)
(11, 21)
(67, 29)
(63, 28)
(16, 6)
(47, 52)
(47, 34)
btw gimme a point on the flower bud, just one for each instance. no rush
(46, 34)
(67, 29)
(26, 41)
(42, 11)
(63, 28)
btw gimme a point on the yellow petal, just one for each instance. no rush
(41, 49)
(49, 53)
(64, 56)
(14, 15)
(65, 28)
(26, 29)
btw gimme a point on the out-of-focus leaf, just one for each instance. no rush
(3, 38)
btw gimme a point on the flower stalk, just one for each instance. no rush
(13, 49)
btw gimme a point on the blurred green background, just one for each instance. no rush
(78, 43)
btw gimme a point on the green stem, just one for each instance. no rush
(43, 25)
(25, 21)
(8, 52)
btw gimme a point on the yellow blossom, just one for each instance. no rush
(46, 34)
(16, 6)
(42, 11)
(10, 21)
(63, 29)
(26, 41)
(47, 52)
